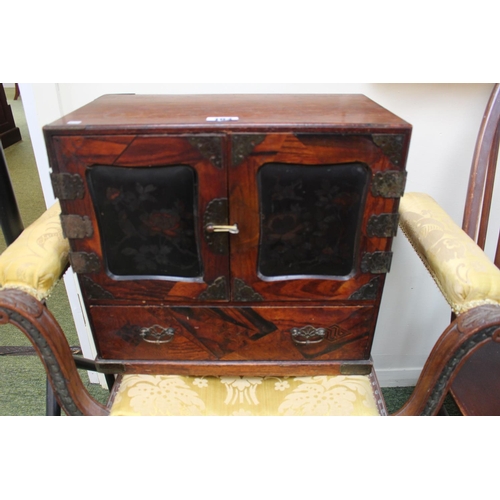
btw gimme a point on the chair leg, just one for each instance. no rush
(443, 412)
(52, 406)
(110, 381)
(39, 325)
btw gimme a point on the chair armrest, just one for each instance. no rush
(37, 258)
(464, 274)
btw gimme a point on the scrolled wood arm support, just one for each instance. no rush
(39, 325)
(465, 335)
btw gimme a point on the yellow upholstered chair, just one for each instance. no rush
(35, 262)
(468, 279)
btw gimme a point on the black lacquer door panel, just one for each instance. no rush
(147, 220)
(310, 219)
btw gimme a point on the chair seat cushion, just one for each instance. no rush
(173, 395)
(465, 275)
(35, 261)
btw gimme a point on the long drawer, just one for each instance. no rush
(233, 333)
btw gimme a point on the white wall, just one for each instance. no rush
(445, 119)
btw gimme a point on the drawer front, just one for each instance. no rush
(233, 333)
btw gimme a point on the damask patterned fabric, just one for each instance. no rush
(37, 258)
(173, 395)
(465, 275)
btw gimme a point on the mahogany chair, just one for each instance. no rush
(12, 227)
(30, 268)
(476, 388)
(468, 280)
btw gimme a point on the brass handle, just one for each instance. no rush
(213, 228)
(308, 335)
(157, 334)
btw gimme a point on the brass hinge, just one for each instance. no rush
(376, 262)
(382, 226)
(76, 227)
(390, 184)
(83, 262)
(68, 186)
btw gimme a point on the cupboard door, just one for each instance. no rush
(150, 197)
(305, 208)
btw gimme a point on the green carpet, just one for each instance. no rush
(22, 378)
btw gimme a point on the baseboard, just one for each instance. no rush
(398, 378)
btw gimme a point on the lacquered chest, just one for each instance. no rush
(242, 234)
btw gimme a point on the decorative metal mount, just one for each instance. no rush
(391, 145)
(76, 227)
(210, 147)
(367, 292)
(245, 293)
(356, 369)
(243, 145)
(156, 334)
(68, 186)
(95, 291)
(308, 335)
(376, 262)
(382, 226)
(390, 184)
(215, 291)
(83, 262)
(216, 213)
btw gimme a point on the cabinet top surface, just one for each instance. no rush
(227, 112)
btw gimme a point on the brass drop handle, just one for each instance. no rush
(213, 228)
(156, 334)
(308, 335)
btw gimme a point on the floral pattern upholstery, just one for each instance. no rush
(35, 261)
(465, 275)
(173, 395)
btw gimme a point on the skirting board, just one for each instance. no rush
(398, 377)
(398, 370)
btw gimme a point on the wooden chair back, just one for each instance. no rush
(477, 384)
(482, 175)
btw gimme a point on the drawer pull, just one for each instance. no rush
(308, 335)
(214, 228)
(156, 334)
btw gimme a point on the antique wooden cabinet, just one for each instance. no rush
(235, 234)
